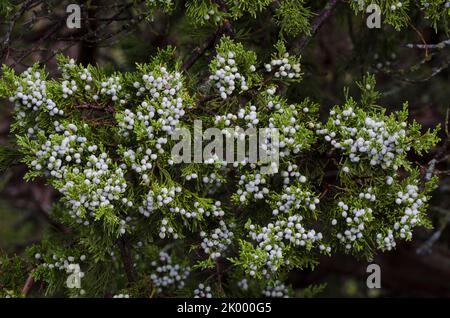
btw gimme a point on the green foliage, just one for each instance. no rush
(244, 59)
(110, 182)
(207, 11)
(13, 273)
(437, 12)
(252, 7)
(313, 291)
(397, 13)
(290, 69)
(5, 8)
(369, 95)
(204, 11)
(293, 17)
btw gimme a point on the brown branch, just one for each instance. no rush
(206, 99)
(43, 201)
(125, 254)
(28, 284)
(421, 38)
(7, 38)
(51, 31)
(301, 43)
(93, 38)
(431, 167)
(426, 247)
(435, 71)
(54, 32)
(199, 51)
(108, 109)
(224, 28)
(219, 275)
(441, 154)
(426, 46)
